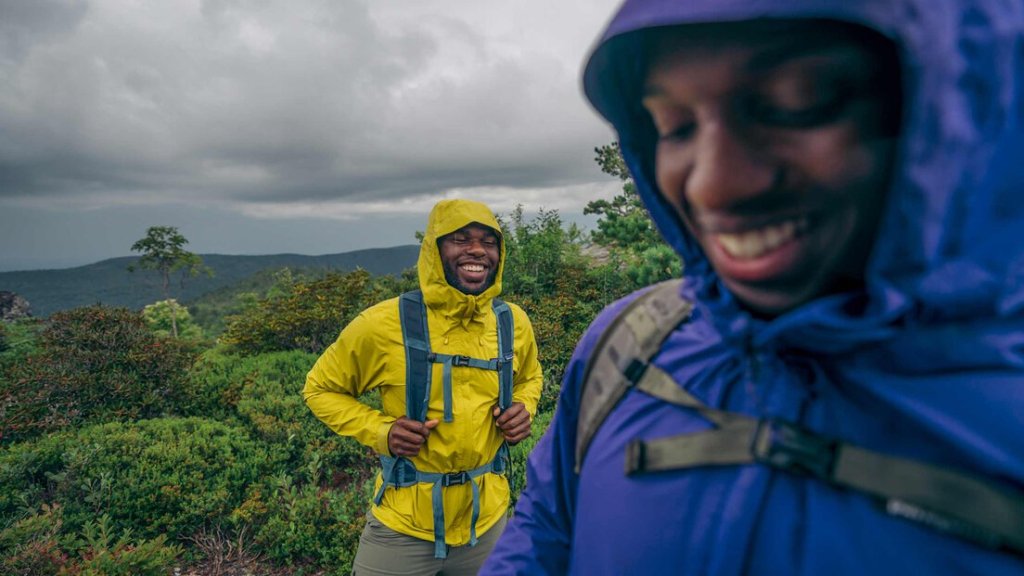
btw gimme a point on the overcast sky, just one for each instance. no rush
(269, 126)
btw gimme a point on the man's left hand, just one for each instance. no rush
(514, 422)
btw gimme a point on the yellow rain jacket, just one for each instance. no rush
(369, 354)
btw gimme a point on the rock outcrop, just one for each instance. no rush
(13, 307)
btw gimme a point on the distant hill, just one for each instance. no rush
(109, 282)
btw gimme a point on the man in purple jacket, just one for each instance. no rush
(843, 182)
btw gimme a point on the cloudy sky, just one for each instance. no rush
(269, 126)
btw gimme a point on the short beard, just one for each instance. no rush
(453, 281)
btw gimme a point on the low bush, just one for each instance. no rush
(94, 364)
(35, 546)
(264, 393)
(164, 317)
(300, 523)
(306, 314)
(162, 476)
(520, 452)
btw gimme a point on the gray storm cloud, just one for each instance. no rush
(264, 101)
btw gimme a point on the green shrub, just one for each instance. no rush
(264, 393)
(163, 476)
(94, 364)
(30, 546)
(35, 546)
(520, 452)
(214, 385)
(305, 314)
(271, 404)
(302, 524)
(22, 340)
(164, 315)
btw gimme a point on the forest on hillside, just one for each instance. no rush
(127, 450)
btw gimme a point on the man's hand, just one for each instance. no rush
(406, 436)
(514, 422)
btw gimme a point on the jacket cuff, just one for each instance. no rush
(382, 438)
(530, 406)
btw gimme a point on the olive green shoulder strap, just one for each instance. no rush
(629, 341)
(957, 502)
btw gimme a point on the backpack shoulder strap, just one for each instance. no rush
(628, 343)
(958, 502)
(412, 313)
(506, 341)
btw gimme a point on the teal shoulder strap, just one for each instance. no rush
(413, 316)
(506, 341)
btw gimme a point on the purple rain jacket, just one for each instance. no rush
(930, 367)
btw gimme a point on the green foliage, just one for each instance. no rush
(520, 452)
(211, 310)
(162, 476)
(162, 251)
(21, 339)
(264, 394)
(301, 523)
(31, 545)
(625, 228)
(93, 364)
(162, 317)
(34, 545)
(105, 554)
(306, 314)
(537, 253)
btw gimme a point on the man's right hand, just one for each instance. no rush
(407, 436)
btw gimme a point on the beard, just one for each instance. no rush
(453, 281)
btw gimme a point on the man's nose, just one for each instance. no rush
(475, 247)
(729, 167)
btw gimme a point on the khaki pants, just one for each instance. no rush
(384, 552)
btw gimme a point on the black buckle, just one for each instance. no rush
(636, 457)
(460, 360)
(454, 478)
(794, 449)
(635, 371)
(502, 360)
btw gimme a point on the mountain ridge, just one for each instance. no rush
(110, 283)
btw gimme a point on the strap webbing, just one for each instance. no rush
(413, 317)
(953, 501)
(506, 341)
(950, 500)
(642, 325)
(400, 473)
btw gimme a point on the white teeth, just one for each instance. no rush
(754, 243)
(473, 267)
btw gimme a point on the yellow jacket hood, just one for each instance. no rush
(447, 217)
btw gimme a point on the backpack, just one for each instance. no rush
(953, 501)
(419, 359)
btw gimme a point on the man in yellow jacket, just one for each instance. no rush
(430, 524)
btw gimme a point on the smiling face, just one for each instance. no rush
(775, 141)
(470, 257)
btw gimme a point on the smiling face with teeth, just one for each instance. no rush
(470, 257)
(775, 143)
